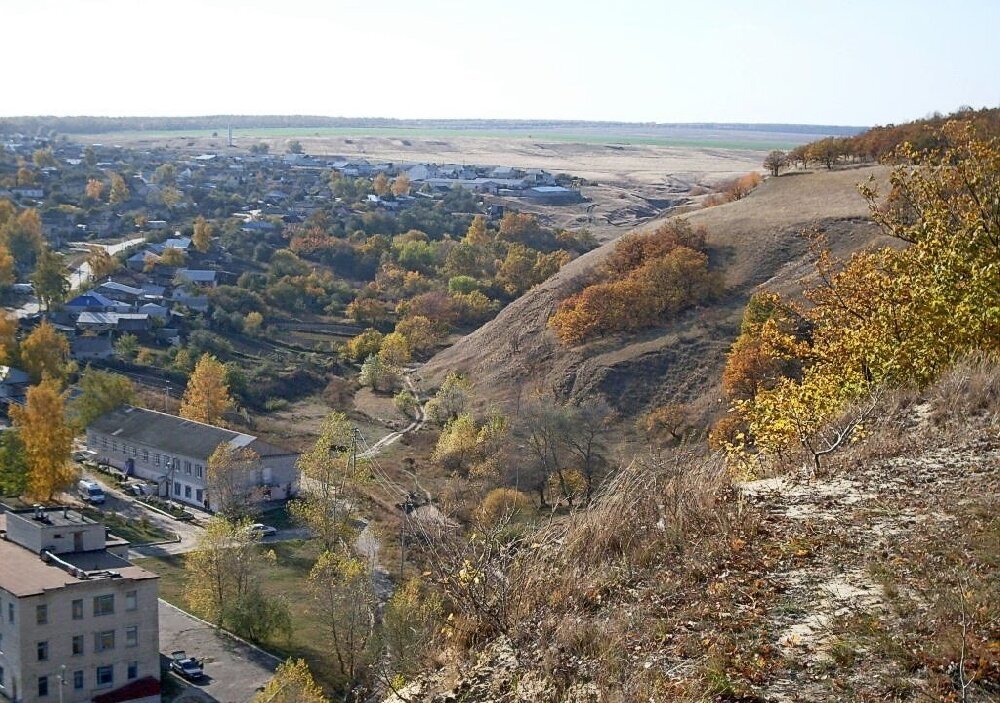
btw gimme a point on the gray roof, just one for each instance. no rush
(175, 435)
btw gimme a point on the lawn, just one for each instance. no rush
(131, 529)
(286, 578)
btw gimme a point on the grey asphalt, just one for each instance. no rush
(234, 670)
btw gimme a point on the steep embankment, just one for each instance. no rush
(755, 241)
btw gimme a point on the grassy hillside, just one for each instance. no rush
(755, 241)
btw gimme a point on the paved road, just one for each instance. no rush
(234, 670)
(79, 275)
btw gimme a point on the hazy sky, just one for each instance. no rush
(833, 62)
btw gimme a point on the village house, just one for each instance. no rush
(173, 452)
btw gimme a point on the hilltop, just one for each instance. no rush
(755, 242)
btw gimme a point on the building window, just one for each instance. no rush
(1, 643)
(77, 645)
(114, 445)
(104, 442)
(133, 670)
(78, 609)
(41, 614)
(187, 491)
(187, 467)
(131, 600)
(200, 496)
(105, 675)
(145, 455)
(132, 636)
(177, 489)
(199, 470)
(43, 651)
(104, 605)
(77, 680)
(103, 641)
(156, 459)
(10, 612)
(2, 680)
(43, 686)
(133, 451)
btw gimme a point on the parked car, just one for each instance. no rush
(185, 666)
(90, 491)
(262, 530)
(138, 489)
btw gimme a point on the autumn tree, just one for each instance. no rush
(223, 581)
(378, 374)
(477, 234)
(451, 398)
(43, 158)
(380, 184)
(341, 586)
(292, 683)
(775, 161)
(401, 185)
(8, 273)
(100, 393)
(206, 398)
(94, 189)
(101, 263)
(173, 257)
(230, 480)
(119, 190)
(252, 322)
(8, 339)
(49, 279)
(203, 233)
(48, 439)
(331, 471)
(741, 187)
(360, 347)
(456, 445)
(421, 335)
(22, 235)
(45, 353)
(395, 350)
(666, 424)
(409, 623)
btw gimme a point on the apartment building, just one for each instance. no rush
(78, 622)
(173, 452)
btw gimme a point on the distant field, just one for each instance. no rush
(683, 137)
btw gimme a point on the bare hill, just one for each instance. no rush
(756, 241)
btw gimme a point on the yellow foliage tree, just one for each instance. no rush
(7, 274)
(292, 683)
(206, 398)
(45, 352)
(8, 339)
(119, 190)
(94, 189)
(47, 438)
(401, 185)
(395, 350)
(477, 233)
(203, 231)
(101, 263)
(381, 184)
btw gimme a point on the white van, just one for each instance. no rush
(91, 491)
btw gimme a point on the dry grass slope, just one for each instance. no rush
(755, 241)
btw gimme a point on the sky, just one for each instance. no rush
(846, 62)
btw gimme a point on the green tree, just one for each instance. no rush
(294, 147)
(127, 346)
(378, 374)
(13, 464)
(100, 393)
(49, 279)
(775, 161)
(342, 590)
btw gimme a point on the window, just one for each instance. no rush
(132, 636)
(104, 442)
(77, 680)
(145, 455)
(133, 670)
(41, 614)
(42, 649)
(1, 643)
(104, 605)
(114, 445)
(43, 686)
(131, 600)
(199, 470)
(200, 496)
(77, 645)
(78, 609)
(10, 612)
(133, 451)
(105, 675)
(103, 641)
(187, 467)
(187, 491)
(2, 684)
(156, 459)
(177, 489)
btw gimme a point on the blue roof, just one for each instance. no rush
(91, 300)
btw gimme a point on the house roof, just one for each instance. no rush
(109, 318)
(196, 275)
(90, 345)
(91, 300)
(175, 435)
(120, 288)
(9, 374)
